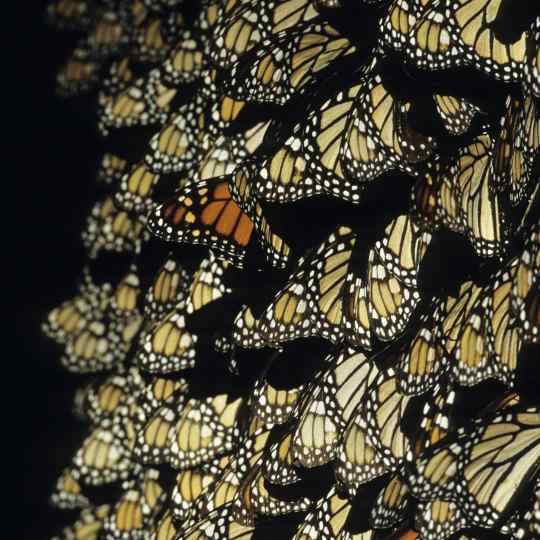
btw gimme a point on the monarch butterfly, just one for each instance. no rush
(168, 290)
(164, 528)
(504, 338)
(452, 35)
(112, 230)
(420, 364)
(109, 33)
(245, 333)
(385, 408)
(148, 41)
(205, 430)
(353, 138)
(390, 505)
(181, 142)
(396, 26)
(88, 525)
(68, 493)
(104, 457)
(119, 76)
(218, 524)
(531, 67)
(168, 347)
(124, 301)
(134, 193)
(192, 484)
(438, 519)
(206, 213)
(253, 500)
(357, 460)
(356, 323)
(241, 26)
(456, 113)
(278, 462)
(157, 392)
(328, 520)
(79, 75)
(103, 400)
(332, 401)
(111, 169)
(278, 68)
(474, 461)
(99, 345)
(311, 302)
(465, 199)
(515, 148)
(70, 14)
(186, 61)
(207, 285)
(72, 315)
(133, 514)
(273, 405)
(245, 457)
(527, 272)
(144, 102)
(153, 442)
(391, 302)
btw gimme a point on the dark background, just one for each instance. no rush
(51, 158)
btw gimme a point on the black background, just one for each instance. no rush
(50, 154)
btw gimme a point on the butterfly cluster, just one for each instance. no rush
(364, 369)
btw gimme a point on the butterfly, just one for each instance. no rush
(143, 102)
(154, 440)
(208, 284)
(134, 193)
(164, 528)
(109, 33)
(190, 485)
(205, 429)
(311, 302)
(168, 347)
(287, 63)
(72, 315)
(531, 67)
(218, 524)
(332, 400)
(240, 27)
(70, 14)
(111, 230)
(351, 139)
(111, 169)
(206, 213)
(328, 521)
(456, 113)
(168, 289)
(88, 524)
(278, 462)
(274, 405)
(104, 457)
(79, 75)
(393, 265)
(188, 134)
(68, 493)
(460, 195)
(515, 148)
(245, 333)
(455, 34)
(395, 27)
(148, 41)
(133, 514)
(473, 461)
